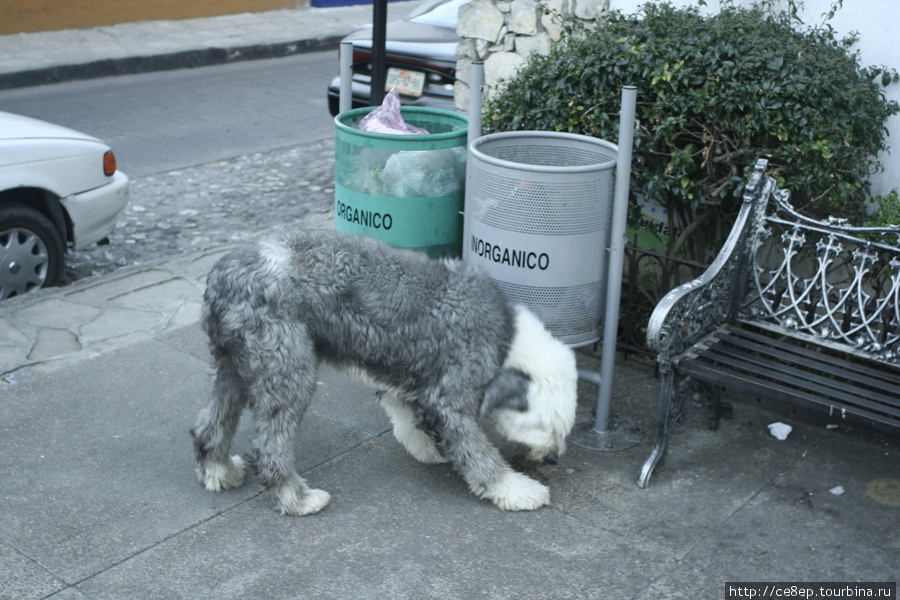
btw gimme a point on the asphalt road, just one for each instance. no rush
(216, 155)
(168, 120)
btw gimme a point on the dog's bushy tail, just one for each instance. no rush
(241, 289)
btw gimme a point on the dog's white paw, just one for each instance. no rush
(296, 499)
(315, 501)
(514, 491)
(216, 477)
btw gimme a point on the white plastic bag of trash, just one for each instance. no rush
(780, 430)
(424, 173)
(387, 118)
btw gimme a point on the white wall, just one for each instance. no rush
(879, 44)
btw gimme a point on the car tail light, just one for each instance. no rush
(109, 163)
(364, 56)
(359, 54)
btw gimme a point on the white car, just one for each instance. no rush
(59, 190)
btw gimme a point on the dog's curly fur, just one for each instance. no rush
(436, 338)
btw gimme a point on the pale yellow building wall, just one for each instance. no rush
(20, 16)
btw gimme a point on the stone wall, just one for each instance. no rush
(504, 33)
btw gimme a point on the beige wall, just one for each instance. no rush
(18, 16)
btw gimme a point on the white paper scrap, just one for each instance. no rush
(780, 430)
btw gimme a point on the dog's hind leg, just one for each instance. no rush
(215, 429)
(463, 442)
(282, 388)
(277, 419)
(406, 430)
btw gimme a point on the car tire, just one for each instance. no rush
(32, 254)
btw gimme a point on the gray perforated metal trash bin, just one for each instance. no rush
(538, 214)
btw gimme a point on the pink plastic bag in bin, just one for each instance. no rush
(387, 118)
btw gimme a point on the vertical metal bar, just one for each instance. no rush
(379, 69)
(616, 255)
(346, 97)
(476, 82)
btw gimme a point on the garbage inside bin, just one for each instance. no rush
(387, 118)
(416, 173)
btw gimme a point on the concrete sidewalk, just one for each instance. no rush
(98, 497)
(54, 56)
(101, 380)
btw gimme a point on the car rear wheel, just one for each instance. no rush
(31, 251)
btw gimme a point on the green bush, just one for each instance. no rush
(714, 94)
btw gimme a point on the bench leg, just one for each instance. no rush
(667, 393)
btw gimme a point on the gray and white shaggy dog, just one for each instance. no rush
(437, 339)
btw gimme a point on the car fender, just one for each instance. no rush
(94, 213)
(74, 165)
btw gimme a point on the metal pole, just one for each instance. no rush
(476, 82)
(616, 255)
(379, 69)
(346, 97)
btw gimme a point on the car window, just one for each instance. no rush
(442, 13)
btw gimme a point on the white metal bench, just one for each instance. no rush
(792, 310)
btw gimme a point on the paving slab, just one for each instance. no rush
(116, 286)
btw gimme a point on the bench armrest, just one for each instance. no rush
(695, 309)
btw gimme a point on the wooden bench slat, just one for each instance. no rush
(834, 372)
(748, 384)
(770, 370)
(782, 361)
(886, 374)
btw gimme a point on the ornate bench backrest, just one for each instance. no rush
(829, 282)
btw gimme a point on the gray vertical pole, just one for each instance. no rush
(476, 82)
(616, 255)
(346, 97)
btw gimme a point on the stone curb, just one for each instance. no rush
(132, 65)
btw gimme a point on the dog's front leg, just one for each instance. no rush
(406, 429)
(462, 441)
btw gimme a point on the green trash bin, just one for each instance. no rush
(405, 190)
